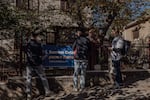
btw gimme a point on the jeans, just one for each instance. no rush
(118, 75)
(80, 69)
(40, 72)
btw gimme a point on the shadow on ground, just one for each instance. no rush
(15, 88)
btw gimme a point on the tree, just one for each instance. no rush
(105, 13)
(8, 18)
(14, 23)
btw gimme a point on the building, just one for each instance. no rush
(60, 27)
(138, 32)
(139, 29)
(52, 17)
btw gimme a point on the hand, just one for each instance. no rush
(44, 57)
(110, 48)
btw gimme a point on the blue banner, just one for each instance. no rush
(58, 56)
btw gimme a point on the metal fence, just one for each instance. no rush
(12, 61)
(138, 56)
(9, 59)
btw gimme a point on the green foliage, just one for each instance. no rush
(125, 10)
(108, 12)
(8, 17)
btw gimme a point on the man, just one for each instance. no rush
(117, 46)
(81, 48)
(93, 59)
(33, 50)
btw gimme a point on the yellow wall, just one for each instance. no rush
(143, 32)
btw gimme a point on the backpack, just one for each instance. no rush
(126, 46)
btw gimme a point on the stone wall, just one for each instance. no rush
(45, 4)
(7, 47)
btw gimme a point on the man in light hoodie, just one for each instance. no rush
(116, 55)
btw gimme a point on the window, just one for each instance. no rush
(64, 5)
(12, 1)
(19, 3)
(135, 33)
(25, 4)
(50, 38)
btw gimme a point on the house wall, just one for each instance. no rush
(36, 4)
(7, 45)
(44, 4)
(128, 35)
(144, 31)
(142, 43)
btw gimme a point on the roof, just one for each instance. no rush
(136, 22)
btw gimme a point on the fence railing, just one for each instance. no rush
(138, 57)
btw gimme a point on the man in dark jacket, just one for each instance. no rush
(33, 50)
(81, 49)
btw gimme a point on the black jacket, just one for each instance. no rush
(82, 47)
(33, 50)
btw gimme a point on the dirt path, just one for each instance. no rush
(139, 90)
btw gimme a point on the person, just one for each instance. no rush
(81, 49)
(117, 46)
(93, 58)
(33, 50)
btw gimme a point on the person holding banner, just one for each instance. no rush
(33, 50)
(81, 47)
(93, 59)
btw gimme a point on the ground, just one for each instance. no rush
(139, 90)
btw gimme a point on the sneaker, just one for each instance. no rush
(81, 90)
(47, 94)
(28, 97)
(75, 89)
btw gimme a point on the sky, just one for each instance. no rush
(139, 8)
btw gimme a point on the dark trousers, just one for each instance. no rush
(118, 75)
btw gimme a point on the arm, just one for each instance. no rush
(74, 45)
